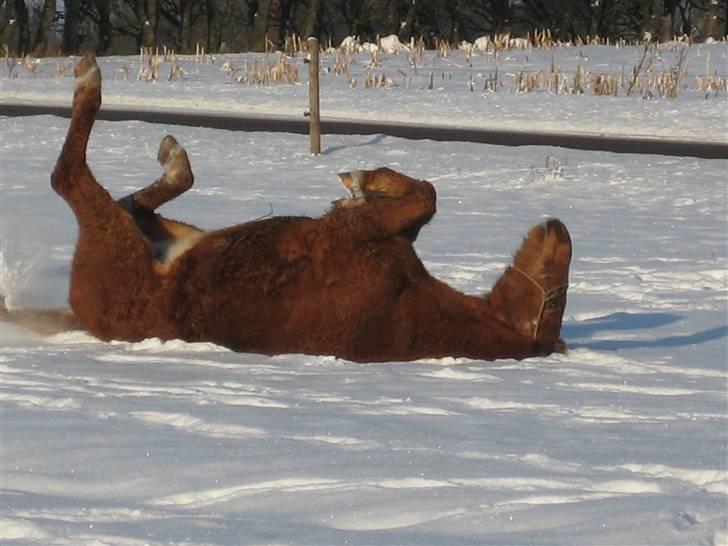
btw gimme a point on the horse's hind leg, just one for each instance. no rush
(531, 294)
(113, 282)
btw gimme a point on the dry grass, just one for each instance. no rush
(552, 171)
(650, 78)
(28, 62)
(150, 65)
(280, 70)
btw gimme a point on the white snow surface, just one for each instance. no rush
(621, 441)
(431, 89)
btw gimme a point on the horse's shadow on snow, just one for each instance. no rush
(634, 321)
(376, 139)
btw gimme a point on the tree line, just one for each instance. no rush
(47, 27)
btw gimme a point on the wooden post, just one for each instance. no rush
(314, 111)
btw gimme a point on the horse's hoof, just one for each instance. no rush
(88, 83)
(173, 157)
(560, 347)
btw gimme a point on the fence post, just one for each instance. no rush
(313, 96)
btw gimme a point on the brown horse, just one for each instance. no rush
(347, 284)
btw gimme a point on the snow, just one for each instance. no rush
(207, 87)
(620, 441)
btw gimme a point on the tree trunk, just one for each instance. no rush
(565, 20)
(710, 24)
(8, 25)
(646, 22)
(71, 23)
(503, 16)
(269, 24)
(213, 26)
(104, 39)
(147, 14)
(10, 28)
(685, 23)
(278, 22)
(667, 20)
(311, 26)
(260, 25)
(43, 37)
(453, 9)
(185, 8)
(23, 23)
(409, 29)
(596, 15)
(392, 25)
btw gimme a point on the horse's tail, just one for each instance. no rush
(42, 321)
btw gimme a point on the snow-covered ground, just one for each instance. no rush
(457, 95)
(622, 441)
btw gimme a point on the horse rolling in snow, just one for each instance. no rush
(347, 284)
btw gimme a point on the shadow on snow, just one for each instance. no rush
(635, 321)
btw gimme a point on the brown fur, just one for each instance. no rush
(347, 284)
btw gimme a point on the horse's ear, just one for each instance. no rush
(346, 179)
(354, 182)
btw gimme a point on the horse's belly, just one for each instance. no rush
(281, 294)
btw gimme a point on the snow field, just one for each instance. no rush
(620, 441)
(449, 90)
(158, 443)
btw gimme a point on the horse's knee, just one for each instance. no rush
(68, 174)
(61, 177)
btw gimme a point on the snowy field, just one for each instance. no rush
(429, 89)
(622, 441)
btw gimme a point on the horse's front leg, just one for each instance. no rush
(176, 180)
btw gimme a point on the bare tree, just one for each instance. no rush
(235, 25)
(185, 24)
(408, 29)
(262, 22)
(271, 23)
(16, 27)
(71, 24)
(392, 17)
(147, 14)
(104, 28)
(44, 43)
(597, 11)
(213, 25)
(711, 24)
(7, 24)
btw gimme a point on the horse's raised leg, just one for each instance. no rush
(113, 280)
(176, 180)
(531, 294)
(385, 203)
(160, 231)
